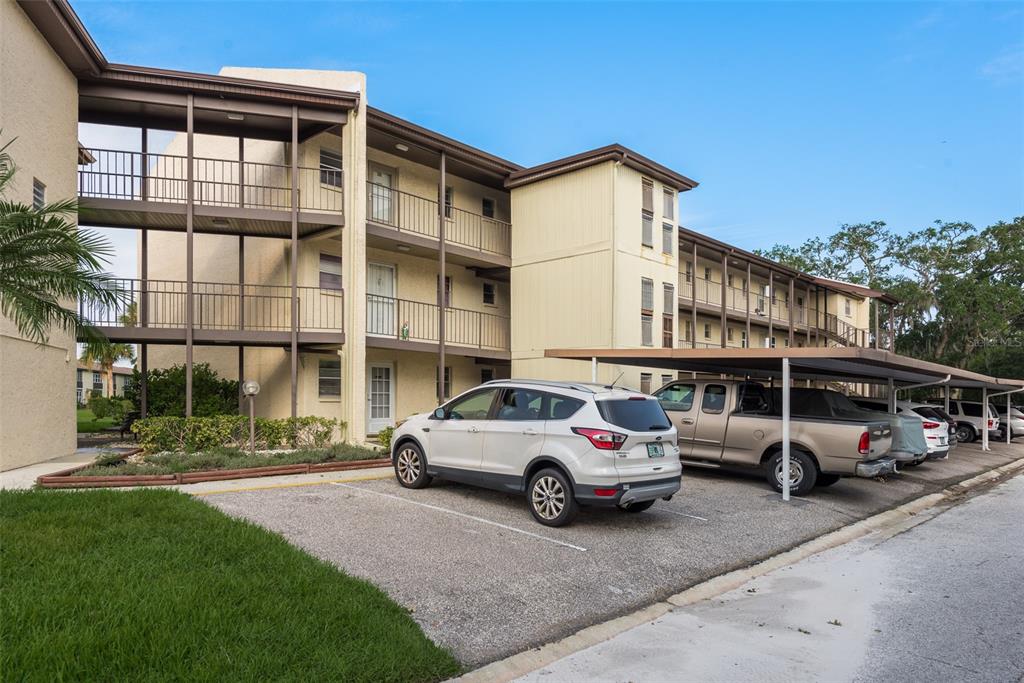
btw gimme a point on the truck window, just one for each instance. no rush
(753, 398)
(676, 396)
(714, 399)
(972, 409)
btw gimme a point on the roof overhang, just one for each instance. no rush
(616, 153)
(850, 364)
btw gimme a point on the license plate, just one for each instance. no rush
(655, 450)
(942, 441)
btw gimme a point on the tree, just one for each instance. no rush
(106, 353)
(46, 260)
(165, 392)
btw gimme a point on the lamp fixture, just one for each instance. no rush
(401, 247)
(401, 147)
(220, 222)
(236, 117)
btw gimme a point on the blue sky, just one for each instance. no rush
(794, 117)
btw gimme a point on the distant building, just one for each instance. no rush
(92, 380)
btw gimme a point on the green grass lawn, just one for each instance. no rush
(155, 585)
(87, 422)
(226, 459)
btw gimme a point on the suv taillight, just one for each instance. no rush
(991, 423)
(864, 446)
(602, 439)
(931, 425)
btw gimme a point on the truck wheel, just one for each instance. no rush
(802, 472)
(827, 479)
(964, 433)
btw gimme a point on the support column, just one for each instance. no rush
(693, 301)
(825, 315)
(785, 429)
(241, 319)
(874, 307)
(746, 294)
(1007, 426)
(792, 304)
(725, 297)
(807, 312)
(771, 305)
(984, 419)
(946, 408)
(892, 396)
(892, 327)
(441, 303)
(142, 308)
(295, 264)
(190, 209)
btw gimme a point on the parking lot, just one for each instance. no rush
(483, 579)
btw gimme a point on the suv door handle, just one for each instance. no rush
(686, 420)
(529, 431)
(474, 429)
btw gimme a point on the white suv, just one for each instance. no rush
(563, 444)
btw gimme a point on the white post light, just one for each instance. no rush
(785, 429)
(250, 388)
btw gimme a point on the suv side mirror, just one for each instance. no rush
(438, 414)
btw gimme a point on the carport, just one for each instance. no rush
(836, 364)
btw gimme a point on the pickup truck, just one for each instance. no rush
(738, 424)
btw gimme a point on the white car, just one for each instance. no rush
(564, 444)
(1015, 420)
(936, 429)
(969, 421)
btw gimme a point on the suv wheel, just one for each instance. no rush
(803, 473)
(551, 500)
(411, 467)
(964, 433)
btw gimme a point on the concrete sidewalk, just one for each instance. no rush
(939, 600)
(25, 477)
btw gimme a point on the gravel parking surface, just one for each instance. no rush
(486, 581)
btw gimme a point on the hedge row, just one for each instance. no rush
(191, 434)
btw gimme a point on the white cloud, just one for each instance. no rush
(1006, 68)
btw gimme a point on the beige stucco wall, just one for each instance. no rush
(37, 382)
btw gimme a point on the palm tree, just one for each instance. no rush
(46, 260)
(106, 353)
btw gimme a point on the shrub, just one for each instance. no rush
(100, 406)
(211, 395)
(384, 437)
(120, 407)
(194, 434)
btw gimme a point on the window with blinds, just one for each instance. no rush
(645, 382)
(648, 195)
(647, 222)
(669, 203)
(330, 168)
(329, 378)
(667, 233)
(647, 294)
(330, 271)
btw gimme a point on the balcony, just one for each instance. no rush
(470, 239)
(154, 311)
(403, 324)
(135, 190)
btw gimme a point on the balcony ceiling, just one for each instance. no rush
(386, 142)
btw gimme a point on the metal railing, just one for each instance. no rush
(412, 213)
(417, 321)
(216, 182)
(218, 306)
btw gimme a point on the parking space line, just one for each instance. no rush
(464, 515)
(682, 514)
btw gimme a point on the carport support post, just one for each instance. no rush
(947, 399)
(785, 429)
(892, 396)
(1009, 407)
(593, 369)
(984, 419)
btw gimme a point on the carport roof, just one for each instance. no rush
(835, 364)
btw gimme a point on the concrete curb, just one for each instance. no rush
(526, 662)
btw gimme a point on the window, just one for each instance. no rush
(330, 271)
(489, 293)
(647, 294)
(689, 271)
(447, 290)
(846, 306)
(476, 406)
(647, 219)
(330, 168)
(667, 321)
(648, 195)
(743, 339)
(634, 415)
(687, 331)
(707, 273)
(707, 330)
(647, 311)
(728, 334)
(646, 329)
(670, 297)
(449, 200)
(714, 399)
(665, 379)
(666, 331)
(645, 382)
(677, 397)
(972, 409)
(38, 194)
(771, 343)
(487, 207)
(447, 382)
(329, 378)
(486, 375)
(520, 404)
(97, 383)
(561, 407)
(668, 203)
(954, 409)
(667, 233)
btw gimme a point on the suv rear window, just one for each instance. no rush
(636, 415)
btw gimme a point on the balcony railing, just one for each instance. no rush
(219, 306)
(738, 299)
(417, 215)
(216, 182)
(416, 321)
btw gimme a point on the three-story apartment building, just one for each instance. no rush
(362, 267)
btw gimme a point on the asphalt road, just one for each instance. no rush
(940, 601)
(485, 580)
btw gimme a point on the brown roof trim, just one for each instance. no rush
(383, 121)
(615, 152)
(61, 27)
(855, 289)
